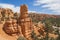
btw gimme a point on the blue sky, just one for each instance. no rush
(39, 6)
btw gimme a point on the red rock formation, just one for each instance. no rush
(0, 14)
(25, 22)
(11, 27)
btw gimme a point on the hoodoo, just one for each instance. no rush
(25, 21)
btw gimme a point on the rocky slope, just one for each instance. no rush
(40, 16)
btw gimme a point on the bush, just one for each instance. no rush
(21, 38)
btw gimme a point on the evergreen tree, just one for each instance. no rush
(21, 38)
(33, 35)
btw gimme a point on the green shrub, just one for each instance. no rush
(21, 38)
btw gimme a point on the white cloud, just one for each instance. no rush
(32, 11)
(51, 4)
(10, 6)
